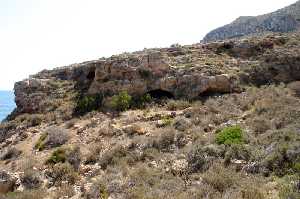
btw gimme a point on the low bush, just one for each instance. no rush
(219, 178)
(283, 158)
(31, 179)
(142, 101)
(93, 155)
(166, 120)
(289, 187)
(238, 152)
(66, 154)
(26, 194)
(62, 172)
(251, 192)
(174, 105)
(53, 137)
(165, 140)
(201, 158)
(59, 155)
(64, 191)
(39, 145)
(9, 153)
(112, 156)
(98, 190)
(230, 135)
(182, 124)
(88, 103)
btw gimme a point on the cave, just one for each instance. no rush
(160, 94)
(91, 75)
(208, 94)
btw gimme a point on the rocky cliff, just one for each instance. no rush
(215, 120)
(283, 20)
(138, 73)
(180, 71)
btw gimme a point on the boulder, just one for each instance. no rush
(7, 182)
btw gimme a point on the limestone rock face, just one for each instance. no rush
(136, 73)
(149, 73)
(185, 72)
(283, 20)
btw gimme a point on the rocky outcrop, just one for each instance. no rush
(137, 73)
(284, 20)
(179, 72)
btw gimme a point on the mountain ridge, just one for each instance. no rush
(283, 20)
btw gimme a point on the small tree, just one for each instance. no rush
(121, 102)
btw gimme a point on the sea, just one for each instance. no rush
(7, 103)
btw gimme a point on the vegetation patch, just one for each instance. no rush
(174, 105)
(52, 137)
(88, 103)
(121, 102)
(142, 101)
(66, 154)
(40, 145)
(62, 172)
(230, 135)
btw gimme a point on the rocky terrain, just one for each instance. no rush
(283, 20)
(216, 120)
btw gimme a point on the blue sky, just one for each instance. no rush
(43, 34)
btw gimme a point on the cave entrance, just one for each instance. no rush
(160, 94)
(91, 75)
(208, 94)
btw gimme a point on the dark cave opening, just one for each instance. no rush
(160, 94)
(91, 75)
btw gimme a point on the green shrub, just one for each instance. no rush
(87, 104)
(142, 101)
(53, 137)
(296, 167)
(40, 145)
(67, 154)
(121, 102)
(166, 120)
(59, 155)
(230, 135)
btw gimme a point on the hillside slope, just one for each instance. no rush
(216, 120)
(283, 20)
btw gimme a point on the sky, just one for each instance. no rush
(44, 34)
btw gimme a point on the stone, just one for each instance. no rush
(134, 129)
(295, 87)
(182, 124)
(179, 166)
(7, 182)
